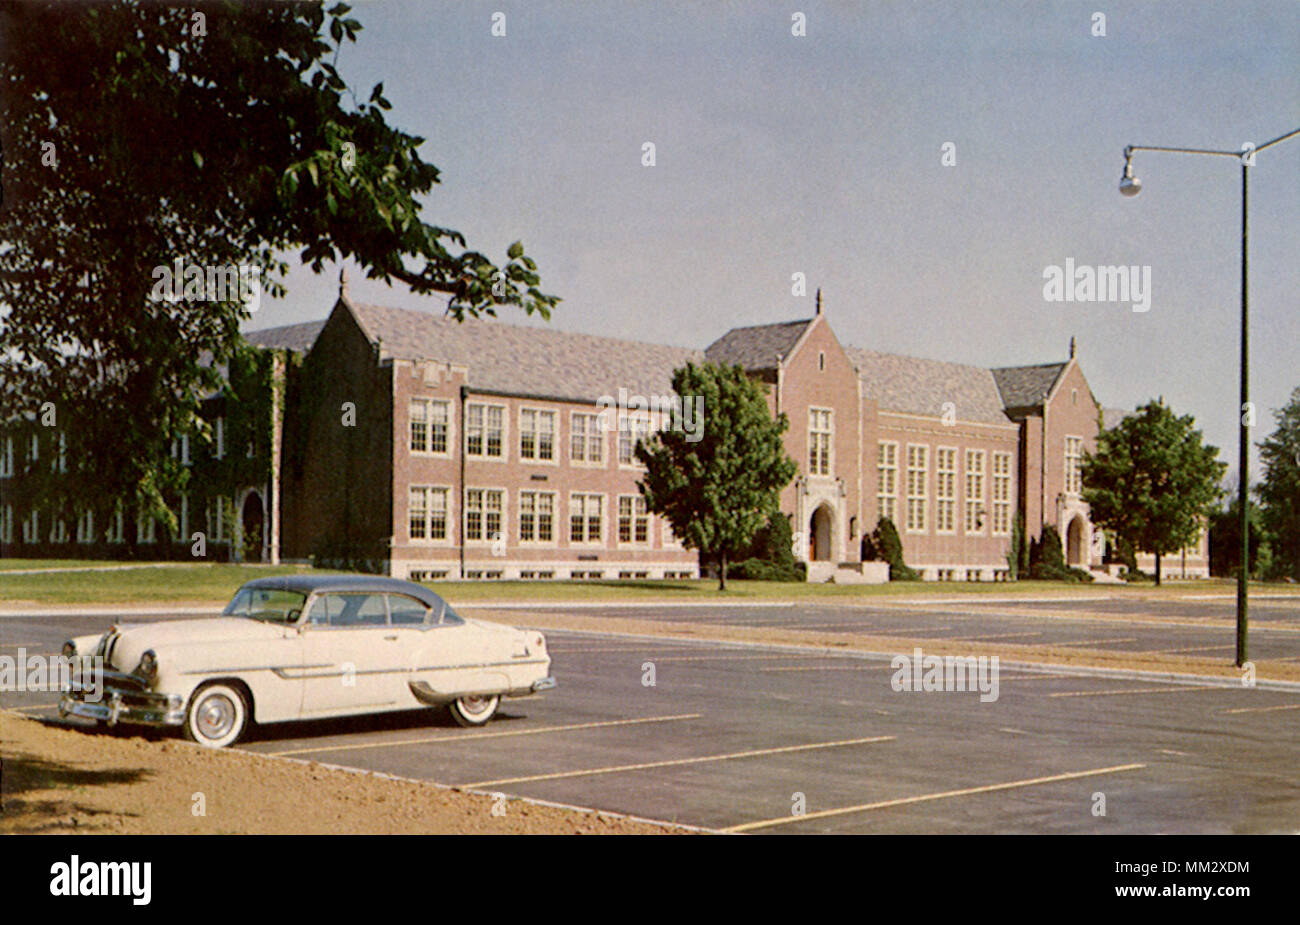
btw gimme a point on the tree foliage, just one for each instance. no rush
(220, 134)
(1279, 492)
(1152, 482)
(717, 491)
(884, 545)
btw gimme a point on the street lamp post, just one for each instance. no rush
(1130, 185)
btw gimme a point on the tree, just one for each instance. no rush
(148, 144)
(719, 489)
(1225, 539)
(884, 545)
(1152, 482)
(1279, 492)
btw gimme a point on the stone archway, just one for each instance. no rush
(1076, 549)
(252, 523)
(820, 534)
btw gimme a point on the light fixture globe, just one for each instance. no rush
(1129, 185)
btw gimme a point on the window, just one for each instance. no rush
(819, 441)
(584, 517)
(427, 512)
(7, 458)
(974, 491)
(181, 449)
(406, 611)
(484, 430)
(7, 524)
(1001, 494)
(918, 459)
(429, 426)
(217, 519)
(945, 490)
(59, 532)
(821, 362)
(483, 509)
(35, 448)
(536, 434)
(669, 538)
(633, 521)
(1073, 465)
(587, 439)
(86, 527)
(536, 516)
(220, 427)
(32, 528)
(887, 480)
(146, 528)
(632, 429)
(348, 611)
(63, 453)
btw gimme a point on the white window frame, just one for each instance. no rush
(976, 521)
(887, 480)
(7, 459)
(639, 426)
(86, 527)
(578, 507)
(1073, 465)
(1001, 483)
(535, 431)
(593, 434)
(821, 442)
(488, 537)
(530, 503)
(487, 408)
(918, 499)
(428, 404)
(428, 493)
(945, 491)
(638, 502)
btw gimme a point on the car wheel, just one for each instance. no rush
(217, 716)
(474, 711)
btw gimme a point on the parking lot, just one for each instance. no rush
(757, 739)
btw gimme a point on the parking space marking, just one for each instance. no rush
(1096, 642)
(711, 658)
(622, 649)
(1226, 645)
(828, 667)
(1285, 706)
(947, 794)
(673, 762)
(1143, 690)
(477, 736)
(986, 638)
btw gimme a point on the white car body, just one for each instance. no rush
(352, 647)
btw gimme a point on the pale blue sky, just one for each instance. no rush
(821, 154)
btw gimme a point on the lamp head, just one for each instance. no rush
(1129, 185)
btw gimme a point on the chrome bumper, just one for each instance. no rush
(544, 684)
(145, 708)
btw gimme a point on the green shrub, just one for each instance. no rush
(885, 546)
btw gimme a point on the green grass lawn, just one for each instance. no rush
(212, 583)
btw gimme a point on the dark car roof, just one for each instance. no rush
(378, 583)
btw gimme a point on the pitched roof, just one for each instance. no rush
(1027, 386)
(912, 385)
(298, 337)
(1110, 417)
(524, 360)
(758, 346)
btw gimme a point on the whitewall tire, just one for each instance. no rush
(474, 711)
(217, 715)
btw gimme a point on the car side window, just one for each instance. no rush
(406, 611)
(342, 611)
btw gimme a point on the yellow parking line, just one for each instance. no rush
(1141, 690)
(1226, 645)
(476, 736)
(904, 801)
(1285, 706)
(675, 761)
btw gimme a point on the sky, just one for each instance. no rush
(823, 154)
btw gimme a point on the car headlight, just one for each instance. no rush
(148, 667)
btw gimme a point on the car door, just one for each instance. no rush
(350, 655)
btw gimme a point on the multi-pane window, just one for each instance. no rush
(632, 429)
(32, 527)
(86, 527)
(1073, 465)
(1001, 494)
(584, 517)
(7, 524)
(974, 491)
(483, 507)
(819, 441)
(427, 512)
(536, 516)
(587, 439)
(429, 426)
(7, 458)
(484, 430)
(59, 532)
(146, 528)
(945, 490)
(536, 434)
(633, 520)
(887, 480)
(918, 462)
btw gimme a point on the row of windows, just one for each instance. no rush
(428, 514)
(917, 500)
(35, 529)
(485, 433)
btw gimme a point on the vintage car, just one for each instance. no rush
(307, 647)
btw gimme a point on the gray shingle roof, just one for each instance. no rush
(525, 360)
(758, 346)
(1110, 417)
(297, 337)
(1026, 386)
(912, 385)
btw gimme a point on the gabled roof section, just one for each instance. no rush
(912, 385)
(758, 347)
(296, 337)
(1024, 387)
(520, 360)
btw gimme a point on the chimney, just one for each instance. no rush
(819, 300)
(343, 282)
(1072, 348)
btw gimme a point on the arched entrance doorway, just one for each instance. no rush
(819, 535)
(1074, 546)
(251, 521)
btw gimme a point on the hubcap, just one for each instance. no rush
(216, 716)
(475, 704)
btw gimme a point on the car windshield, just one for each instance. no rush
(267, 604)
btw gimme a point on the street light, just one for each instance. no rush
(1130, 185)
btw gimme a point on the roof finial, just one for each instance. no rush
(1072, 347)
(819, 300)
(343, 282)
